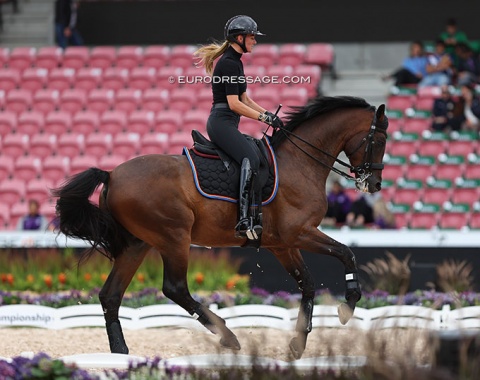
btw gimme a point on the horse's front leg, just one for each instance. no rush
(292, 261)
(316, 241)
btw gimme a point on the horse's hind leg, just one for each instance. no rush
(124, 268)
(292, 261)
(175, 287)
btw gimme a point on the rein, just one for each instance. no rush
(363, 170)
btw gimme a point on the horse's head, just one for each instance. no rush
(367, 152)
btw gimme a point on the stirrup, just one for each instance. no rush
(254, 232)
(242, 228)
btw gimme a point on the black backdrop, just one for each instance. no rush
(194, 21)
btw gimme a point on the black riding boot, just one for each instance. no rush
(245, 226)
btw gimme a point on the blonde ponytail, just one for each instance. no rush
(209, 53)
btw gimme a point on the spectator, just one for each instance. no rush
(413, 69)
(383, 217)
(361, 212)
(33, 220)
(471, 107)
(446, 114)
(66, 32)
(468, 65)
(452, 36)
(439, 67)
(339, 205)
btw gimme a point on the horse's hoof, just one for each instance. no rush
(296, 347)
(345, 312)
(231, 343)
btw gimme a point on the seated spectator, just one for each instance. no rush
(33, 220)
(382, 216)
(361, 213)
(439, 67)
(471, 108)
(468, 65)
(452, 35)
(447, 116)
(414, 67)
(339, 205)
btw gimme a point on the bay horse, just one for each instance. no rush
(151, 202)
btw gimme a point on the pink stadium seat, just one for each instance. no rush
(30, 122)
(182, 99)
(85, 122)
(22, 57)
(321, 54)
(81, 163)
(88, 78)
(156, 56)
(449, 171)
(293, 96)
(403, 148)
(471, 171)
(182, 56)
(252, 127)
(204, 99)
(423, 220)
(167, 77)
(57, 122)
(279, 76)
(9, 79)
(102, 56)
(112, 122)
(45, 100)
(61, 79)
(6, 167)
(47, 209)
(126, 145)
(426, 96)
(168, 121)
(98, 144)
(55, 168)
(154, 143)
(34, 79)
(114, 78)
(17, 210)
(474, 221)
(309, 77)
(142, 78)
(15, 145)
(393, 172)
(461, 147)
(8, 122)
(419, 171)
(27, 168)
(76, 57)
(265, 55)
(292, 54)
(18, 100)
(454, 220)
(49, 57)
(12, 191)
(196, 78)
(406, 196)
(110, 162)
(196, 119)
(71, 144)
(267, 97)
(129, 57)
(4, 56)
(400, 102)
(465, 195)
(154, 99)
(127, 100)
(4, 216)
(141, 122)
(436, 196)
(43, 145)
(178, 141)
(39, 189)
(255, 74)
(73, 100)
(395, 125)
(416, 125)
(100, 100)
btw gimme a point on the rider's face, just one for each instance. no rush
(250, 42)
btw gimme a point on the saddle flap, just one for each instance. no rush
(203, 145)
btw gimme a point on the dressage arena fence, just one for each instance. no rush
(465, 319)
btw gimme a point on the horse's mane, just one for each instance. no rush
(318, 106)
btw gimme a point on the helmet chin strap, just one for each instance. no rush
(242, 45)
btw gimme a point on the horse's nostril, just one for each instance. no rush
(378, 186)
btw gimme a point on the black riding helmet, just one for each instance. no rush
(240, 25)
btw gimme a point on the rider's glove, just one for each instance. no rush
(271, 119)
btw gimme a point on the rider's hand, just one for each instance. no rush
(271, 119)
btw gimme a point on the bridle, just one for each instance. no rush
(363, 171)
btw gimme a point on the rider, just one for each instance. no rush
(230, 101)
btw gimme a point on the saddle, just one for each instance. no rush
(217, 175)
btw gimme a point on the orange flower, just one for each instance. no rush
(141, 277)
(87, 277)
(3, 277)
(10, 278)
(48, 280)
(199, 278)
(62, 278)
(30, 278)
(231, 284)
(104, 277)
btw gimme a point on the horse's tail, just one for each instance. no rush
(80, 219)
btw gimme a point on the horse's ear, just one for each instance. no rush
(381, 111)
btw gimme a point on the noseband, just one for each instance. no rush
(363, 171)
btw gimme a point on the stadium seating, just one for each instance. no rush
(114, 78)
(76, 57)
(61, 78)
(30, 122)
(8, 123)
(71, 145)
(43, 145)
(128, 100)
(6, 167)
(33, 79)
(22, 58)
(45, 100)
(57, 122)
(102, 57)
(156, 56)
(9, 79)
(142, 78)
(49, 57)
(129, 57)
(292, 54)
